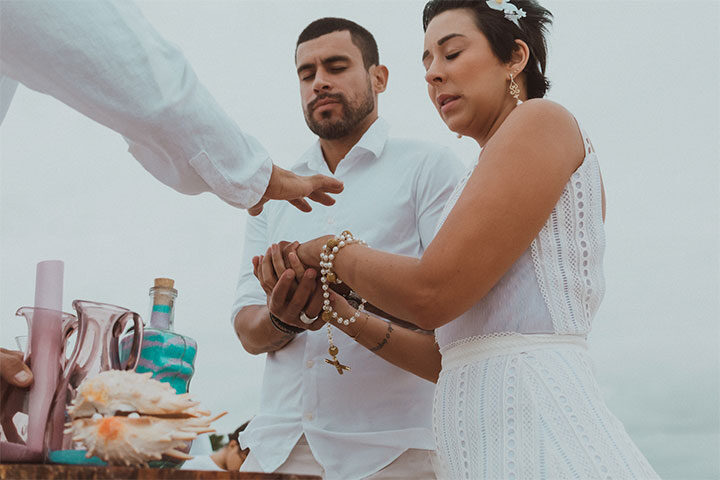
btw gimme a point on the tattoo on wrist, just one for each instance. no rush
(384, 341)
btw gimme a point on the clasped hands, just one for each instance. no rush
(289, 276)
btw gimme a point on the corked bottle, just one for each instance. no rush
(162, 304)
(168, 355)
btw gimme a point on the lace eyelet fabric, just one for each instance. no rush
(517, 397)
(535, 413)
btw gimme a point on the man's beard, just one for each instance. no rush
(352, 116)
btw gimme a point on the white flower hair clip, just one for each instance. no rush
(511, 12)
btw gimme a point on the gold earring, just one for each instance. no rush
(514, 90)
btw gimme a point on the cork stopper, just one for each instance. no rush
(163, 287)
(164, 282)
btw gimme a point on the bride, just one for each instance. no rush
(514, 277)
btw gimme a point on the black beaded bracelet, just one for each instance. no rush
(284, 327)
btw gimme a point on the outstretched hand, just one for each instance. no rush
(286, 185)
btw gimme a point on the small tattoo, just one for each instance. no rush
(384, 341)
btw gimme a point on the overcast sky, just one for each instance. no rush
(641, 77)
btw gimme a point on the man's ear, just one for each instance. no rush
(379, 77)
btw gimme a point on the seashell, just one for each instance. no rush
(129, 418)
(115, 391)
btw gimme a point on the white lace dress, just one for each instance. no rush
(516, 397)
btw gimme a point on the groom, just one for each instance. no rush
(374, 421)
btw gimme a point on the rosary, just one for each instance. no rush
(327, 275)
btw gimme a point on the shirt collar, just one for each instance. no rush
(372, 142)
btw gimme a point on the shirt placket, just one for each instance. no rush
(311, 363)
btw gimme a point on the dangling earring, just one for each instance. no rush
(514, 90)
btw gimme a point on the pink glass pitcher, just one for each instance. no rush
(96, 350)
(15, 406)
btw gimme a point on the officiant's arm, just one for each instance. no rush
(511, 193)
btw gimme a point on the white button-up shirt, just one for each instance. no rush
(105, 60)
(361, 421)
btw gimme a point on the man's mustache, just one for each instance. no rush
(335, 96)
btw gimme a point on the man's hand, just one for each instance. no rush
(286, 298)
(285, 185)
(13, 370)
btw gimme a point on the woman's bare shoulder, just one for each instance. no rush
(547, 125)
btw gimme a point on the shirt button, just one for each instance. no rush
(309, 364)
(308, 416)
(330, 220)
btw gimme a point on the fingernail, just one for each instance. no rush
(310, 273)
(22, 376)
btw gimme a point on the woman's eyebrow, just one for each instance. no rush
(443, 40)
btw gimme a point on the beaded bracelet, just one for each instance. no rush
(284, 327)
(328, 276)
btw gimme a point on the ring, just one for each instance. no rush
(307, 320)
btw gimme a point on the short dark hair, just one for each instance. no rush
(359, 36)
(234, 435)
(502, 33)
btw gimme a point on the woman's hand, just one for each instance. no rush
(309, 252)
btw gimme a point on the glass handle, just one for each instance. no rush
(134, 355)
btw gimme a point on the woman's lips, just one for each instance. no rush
(447, 102)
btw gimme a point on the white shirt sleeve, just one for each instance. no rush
(436, 181)
(105, 60)
(248, 290)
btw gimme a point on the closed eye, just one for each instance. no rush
(452, 55)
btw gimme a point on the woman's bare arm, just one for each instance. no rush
(516, 184)
(412, 350)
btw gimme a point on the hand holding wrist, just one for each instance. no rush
(309, 252)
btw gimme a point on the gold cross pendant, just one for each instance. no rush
(336, 363)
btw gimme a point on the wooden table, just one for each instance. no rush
(27, 471)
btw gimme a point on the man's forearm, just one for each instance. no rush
(256, 333)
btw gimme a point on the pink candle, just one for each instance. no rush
(45, 340)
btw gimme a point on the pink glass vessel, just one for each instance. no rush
(100, 327)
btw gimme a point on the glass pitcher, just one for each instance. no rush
(14, 418)
(100, 327)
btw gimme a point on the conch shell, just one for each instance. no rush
(129, 418)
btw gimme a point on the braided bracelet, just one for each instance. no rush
(284, 327)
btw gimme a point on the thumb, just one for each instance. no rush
(326, 184)
(13, 370)
(257, 209)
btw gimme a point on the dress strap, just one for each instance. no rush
(586, 141)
